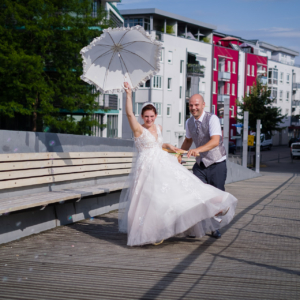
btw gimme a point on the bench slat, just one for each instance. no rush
(60, 155)
(59, 163)
(58, 178)
(60, 170)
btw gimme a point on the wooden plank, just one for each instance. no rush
(58, 178)
(61, 170)
(33, 164)
(41, 199)
(60, 155)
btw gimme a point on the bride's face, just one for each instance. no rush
(149, 117)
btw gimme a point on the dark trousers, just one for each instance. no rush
(214, 175)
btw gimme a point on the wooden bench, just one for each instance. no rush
(31, 169)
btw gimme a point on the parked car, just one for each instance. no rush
(232, 147)
(266, 141)
(295, 150)
(293, 140)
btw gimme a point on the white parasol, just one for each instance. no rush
(118, 55)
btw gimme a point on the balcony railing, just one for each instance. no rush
(263, 80)
(296, 85)
(221, 121)
(195, 69)
(159, 36)
(296, 103)
(224, 76)
(222, 98)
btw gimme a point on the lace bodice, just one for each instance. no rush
(147, 141)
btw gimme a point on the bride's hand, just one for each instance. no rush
(173, 148)
(127, 88)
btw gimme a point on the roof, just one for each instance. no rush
(278, 48)
(156, 11)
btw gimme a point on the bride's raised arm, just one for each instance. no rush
(134, 124)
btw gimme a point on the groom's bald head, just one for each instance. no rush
(196, 105)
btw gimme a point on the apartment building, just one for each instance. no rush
(284, 83)
(185, 69)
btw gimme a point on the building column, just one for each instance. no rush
(151, 23)
(185, 31)
(165, 26)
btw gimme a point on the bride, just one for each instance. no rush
(163, 198)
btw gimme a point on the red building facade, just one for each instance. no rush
(225, 75)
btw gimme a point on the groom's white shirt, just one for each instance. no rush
(214, 129)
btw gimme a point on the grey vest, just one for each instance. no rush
(210, 157)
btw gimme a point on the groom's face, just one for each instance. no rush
(196, 106)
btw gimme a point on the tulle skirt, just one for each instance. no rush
(164, 199)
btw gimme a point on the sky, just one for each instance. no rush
(273, 21)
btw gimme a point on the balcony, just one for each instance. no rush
(195, 70)
(296, 85)
(159, 36)
(224, 76)
(222, 98)
(263, 80)
(296, 103)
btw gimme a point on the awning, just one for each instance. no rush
(261, 61)
(229, 38)
(224, 53)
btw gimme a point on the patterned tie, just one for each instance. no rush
(198, 124)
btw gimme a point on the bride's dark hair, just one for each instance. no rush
(148, 107)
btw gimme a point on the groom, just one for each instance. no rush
(204, 129)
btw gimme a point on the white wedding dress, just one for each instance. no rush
(164, 199)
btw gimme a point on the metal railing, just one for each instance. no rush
(296, 85)
(223, 97)
(296, 103)
(224, 76)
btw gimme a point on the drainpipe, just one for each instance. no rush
(212, 75)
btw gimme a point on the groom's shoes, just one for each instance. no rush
(216, 234)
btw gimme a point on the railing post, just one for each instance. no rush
(245, 139)
(226, 125)
(257, 158)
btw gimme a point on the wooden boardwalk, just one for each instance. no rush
(256, 258)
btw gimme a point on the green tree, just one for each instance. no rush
(40, 64)
(169, 29)
(206, 40)
(260, 106)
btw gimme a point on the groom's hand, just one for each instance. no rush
(193, 152)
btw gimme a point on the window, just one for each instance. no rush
(180, 92)
(280, 95)
(252, 70)
(215, 64)
(228, 66)
(112, 126)
(138, 108)
(232, 111)
(248, 69)
(170, 57)
(281, 77)
(169, 83)
(233, 89)
(287, 78)
(248, 90)
(273, 76)
(233, 67)
(287, 96)
(146, 84)
(214, 87)
(156, 82)
(287, 113)
(179, 119)
(169, 110)
(162, 55)
(214, 109)
(181, 66)
(228, 88)
(158, 108)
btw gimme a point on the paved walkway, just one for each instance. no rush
(256, 258)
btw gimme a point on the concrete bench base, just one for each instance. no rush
(23, 223)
